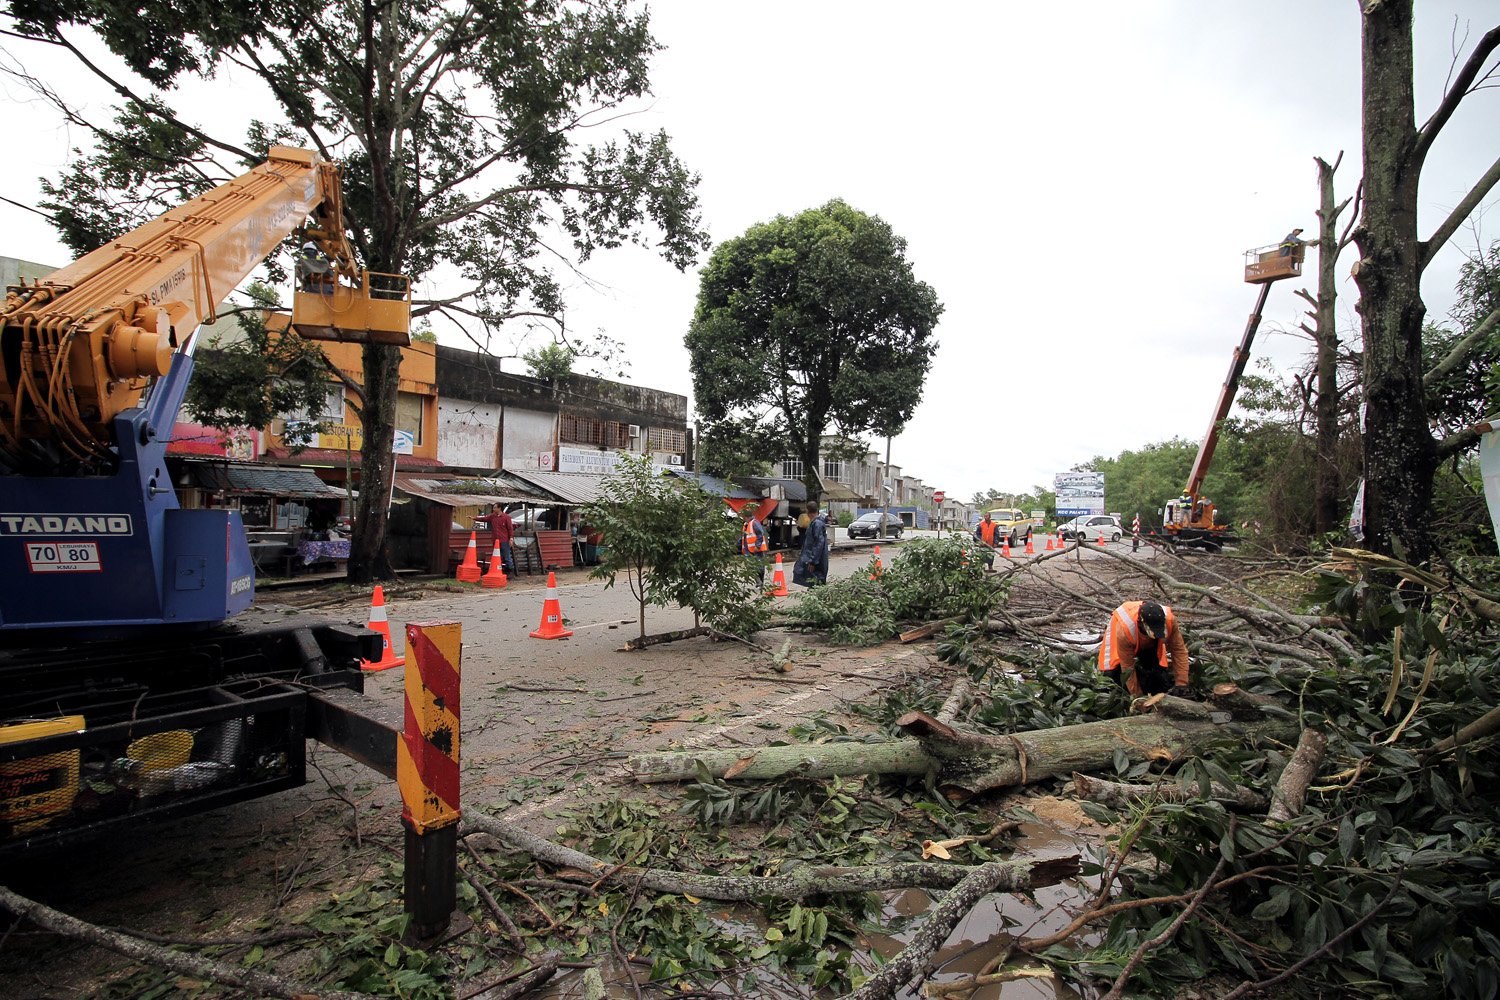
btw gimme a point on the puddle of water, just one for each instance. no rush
(998, 922)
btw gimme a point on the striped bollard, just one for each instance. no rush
(427, 774)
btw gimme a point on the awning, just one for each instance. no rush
(454, 492)
(339, 459)
(261, 480)
(835, 490)
(568, 487)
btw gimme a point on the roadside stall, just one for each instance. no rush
(292, 518)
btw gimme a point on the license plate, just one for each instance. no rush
(63, 557)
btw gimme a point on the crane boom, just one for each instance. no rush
(91, 532)
(1227, 393)
(81, 345)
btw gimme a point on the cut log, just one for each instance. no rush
(1123, 796)
(641, 642)
(931, 629)
(1291, 788)
(966, 764)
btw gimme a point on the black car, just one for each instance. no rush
(868, 525)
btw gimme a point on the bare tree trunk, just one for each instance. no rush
(368, 559)
(1399, 453)
(1327, 488)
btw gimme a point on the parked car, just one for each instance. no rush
(1091, 526)
(868, 525)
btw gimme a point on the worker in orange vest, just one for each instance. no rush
(1140, 640)
(754, 542)
(988, 533)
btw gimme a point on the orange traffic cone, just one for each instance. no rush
(468, 570)
(552, 626)
(388, 657)
(1049, 543)
(1101, 538)
(1030, 551)
(496, 576)
(1005, 547)
(778, 581)
(878, 568)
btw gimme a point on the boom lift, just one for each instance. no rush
(123, 690)
(1190, 520)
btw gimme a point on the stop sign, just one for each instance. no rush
(938, 496)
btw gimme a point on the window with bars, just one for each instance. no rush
(791, 468)
(576, 429)
(833, 468)
(666, 439)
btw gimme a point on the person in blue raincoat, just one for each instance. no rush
(812, 563)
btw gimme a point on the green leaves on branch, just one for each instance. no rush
(931, 579)
(808, 323)
(677, 545)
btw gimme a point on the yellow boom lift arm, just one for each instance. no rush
(82, 344)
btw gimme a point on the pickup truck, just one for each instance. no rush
(1015, 524)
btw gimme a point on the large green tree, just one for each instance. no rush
(458, 126)
(1401, 454)
(805, 324)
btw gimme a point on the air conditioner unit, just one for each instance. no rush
(634, 430)
(674, 459)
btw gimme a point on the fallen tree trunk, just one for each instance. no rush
(1291, 789)
(1123, 797)
(1012, 876)
(966, 764)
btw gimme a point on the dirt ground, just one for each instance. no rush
(544, 724)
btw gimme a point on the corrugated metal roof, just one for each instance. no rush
(567, 487)
(793, 488)
(717, 486)
(472, 492)
(835, 490)
(262, 480)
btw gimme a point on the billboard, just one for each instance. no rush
(1079, 493)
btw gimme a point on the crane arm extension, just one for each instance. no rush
(80, 345)
(1226, 398)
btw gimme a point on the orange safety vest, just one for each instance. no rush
(987, 531)
(755, 541)
(1124, 632)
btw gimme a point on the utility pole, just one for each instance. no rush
(887, 490)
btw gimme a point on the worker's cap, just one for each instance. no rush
(1153, 618)
(1296, 230)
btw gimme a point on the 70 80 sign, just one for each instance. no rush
(63, 557)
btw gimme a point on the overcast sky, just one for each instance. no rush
(1077, 181)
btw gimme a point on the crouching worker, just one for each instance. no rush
(1141, 639)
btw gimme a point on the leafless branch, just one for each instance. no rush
(1461, 87)
(1461, 211)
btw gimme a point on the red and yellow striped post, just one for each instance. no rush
(427, 774)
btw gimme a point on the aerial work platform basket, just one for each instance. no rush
(1274, 262)
(376, 310)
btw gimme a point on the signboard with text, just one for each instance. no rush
(1079, 493)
